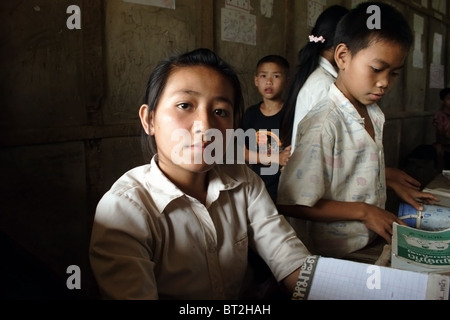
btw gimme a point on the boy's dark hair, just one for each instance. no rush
(274, 58)
(353, 29)
(198, 57)
(443, 93)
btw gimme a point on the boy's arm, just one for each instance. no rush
(254, 157)
(374, 218)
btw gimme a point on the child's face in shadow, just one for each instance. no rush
(195, 100)
(446, 102)
(367, 76)
(271, 81)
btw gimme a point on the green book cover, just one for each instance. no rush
(420, 250)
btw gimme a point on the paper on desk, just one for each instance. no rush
(337, 279)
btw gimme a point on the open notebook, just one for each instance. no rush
(335, 279)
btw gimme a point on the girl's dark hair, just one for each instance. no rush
(356, 31)
(308, 58)
(158, 79)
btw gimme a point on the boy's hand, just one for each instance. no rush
(284, 156)
(381, 222)
(400, 176)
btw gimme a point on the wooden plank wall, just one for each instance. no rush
(70, 128)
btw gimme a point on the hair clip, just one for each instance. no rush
(315, 39)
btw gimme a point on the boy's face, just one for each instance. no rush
(271, 81)
(366, 77)
(446, 101)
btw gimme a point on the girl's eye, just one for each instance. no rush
(221, 113)
(183, 105)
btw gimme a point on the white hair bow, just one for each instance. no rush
(315, 39)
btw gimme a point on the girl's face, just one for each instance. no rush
(195, 100)
(366, 77)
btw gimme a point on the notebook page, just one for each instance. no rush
(336, 279)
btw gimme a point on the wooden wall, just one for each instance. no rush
(70, 98)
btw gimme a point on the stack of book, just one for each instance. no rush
(424, 244)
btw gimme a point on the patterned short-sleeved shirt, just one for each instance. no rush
(336, 159)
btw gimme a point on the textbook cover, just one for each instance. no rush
(420, 250)
(431, 218)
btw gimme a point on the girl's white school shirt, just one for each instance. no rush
(314, 89)
(152, 241)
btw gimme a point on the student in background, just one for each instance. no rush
(271, 79)
(181, 226)
(336, 178)
(315, 73)
(441, 123)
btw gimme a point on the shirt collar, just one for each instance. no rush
(324, 63)
(346, 106)
(163, 191)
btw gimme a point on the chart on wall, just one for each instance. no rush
(168, 4)
(237, 24)
(315, 8)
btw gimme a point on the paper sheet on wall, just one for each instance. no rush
(437, 48)
(266, 7)
(238, 26)
(169, 4)
(439, 5)
(314, 10)
(243, 5)
(418, 32)
(436, 76)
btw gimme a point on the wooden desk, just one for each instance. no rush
(369, 254)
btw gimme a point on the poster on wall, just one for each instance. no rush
(168, 4)
(418, 32)
(439, 5)
(266, 7)
(238, 26)
(243, 5)
(436, 68)
(315, 8)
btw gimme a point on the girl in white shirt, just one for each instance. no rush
(315, 73)
(180, 227)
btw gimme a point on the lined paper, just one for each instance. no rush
(336, 279)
